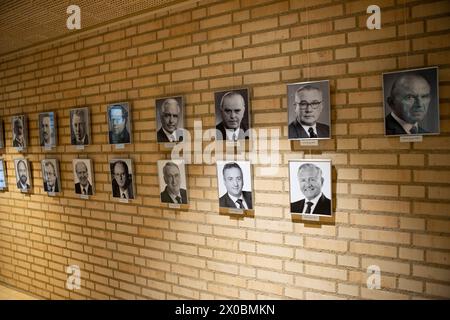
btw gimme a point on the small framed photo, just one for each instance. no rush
(23, 176)
(232, 114)
(172, 181)
(169, 119)
(309, 110)
(83, 176)
(80, 126)
(411, 102)
(3, 176)
(234, 179)
(122, 178)
(310, 187)
(47, 129)
(119, 123)
(20, 131)
(2, 135)
(51, 176)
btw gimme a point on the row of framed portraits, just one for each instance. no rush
(410, 98)
(309, 181)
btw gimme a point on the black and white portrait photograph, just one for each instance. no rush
(169, 119)
(310, 187)
(80, 127)
(411, 102)
(232, 114)
(20, 131)
(122, 178)
(2, 174)
(172, 181)
(83, 176)
(50, 175)
(2, 135)
(47, 129)
(309, 110)
(234, 179)
(23, 176)
(119, 123)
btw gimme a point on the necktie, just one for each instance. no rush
(311, 133)
(413, 130)
(84, 191)
(308, 209)
(239, 202)
(234, 136)
(123, 195)
(178, 199)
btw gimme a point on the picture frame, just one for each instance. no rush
(172, 179)
(3, 175)
(122, 179)
(119, 123)
(51, 178)
(80, 126)
(23, 174)
(170, 121)
(83, 175)
(19, 127)
(47, 129)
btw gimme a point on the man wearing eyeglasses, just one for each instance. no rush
(308, 107)
(121, 182)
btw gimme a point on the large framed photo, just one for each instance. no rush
(232, 114)
(50, 176)
(169, 119)
(20, 131)
(234, 179)
(80, 126)
(23, 176)
(411, 102)
(47, 129)
(119, 123)
(83, 176)
(122, 178)
(2, 135)
(309, 110)
(2, 175)
(310, 187)
(172, 181)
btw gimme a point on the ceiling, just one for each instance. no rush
(24, 23)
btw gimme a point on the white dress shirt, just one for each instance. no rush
(314, 201)
(236, 199)
(405, 125)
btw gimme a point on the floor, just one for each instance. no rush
(8, 293)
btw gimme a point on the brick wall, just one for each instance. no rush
(391, 198)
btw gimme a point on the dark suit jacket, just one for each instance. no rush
(161, 136)
(56, 186)
(116, 189)
(74, 141)
(226, 202)
(243, 133)
(297, 131)
(123, 137)
(18, 144)
(165, 197)
(393, 127)
(323, 206)
(19, 186)
(78, 189)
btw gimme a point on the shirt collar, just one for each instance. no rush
(230, 133)
(405, 125)
(173, 134)
(306, 127)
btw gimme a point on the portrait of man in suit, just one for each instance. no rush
(50, 175)
(307, 103)
(22, 174)
(119, 123)
(122, 179)
(232, 115)
(411, 102)
(170, 119)
(173, 180)
(2, 175)
(83, 184)
(19, 132)
(47, 129)
(2, 135)
(309, 181)
(233, 180)
(79, 126)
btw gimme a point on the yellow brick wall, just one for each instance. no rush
(392, 199)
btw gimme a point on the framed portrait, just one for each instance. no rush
(411, 102)
(83, 177)
(20, 131)
(47, 129)
(23, 176)
(2, 135)
(310, 187)
(80, 126)
(122, 181)
(172, 181)
(50, 176)
(232, 114)
(119, 123)
(169, 119)
(309, 110)
(234, 180)
(3, 176)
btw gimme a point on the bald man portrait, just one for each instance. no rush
(232, 116)
(83, 174)
(170, 119)
(411, 102)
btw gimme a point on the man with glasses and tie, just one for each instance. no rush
(232, 109)
(311, 181)
(173, 193)
(122, 185)
(234, 182)
(169, 114)
(83, 187)
(50, 177)
(308, 104)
